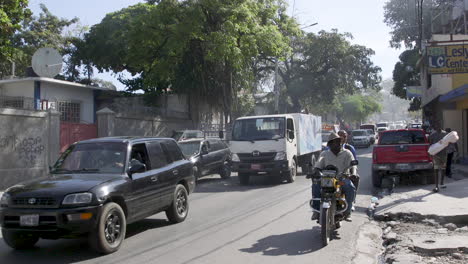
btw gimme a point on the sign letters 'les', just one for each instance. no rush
(448, 59)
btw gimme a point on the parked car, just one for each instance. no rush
(187, 134)
(208, 156)
(360, 138)
(369, 126)
(400, 151)
(372, 136)
(95, 189)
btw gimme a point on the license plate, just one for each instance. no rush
(327, 182)
(256, 166)
(29, 220)
(403, 166)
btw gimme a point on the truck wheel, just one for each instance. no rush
(178, 210)
(110, 231)
(243, 178)
(292, 173)
(18, 239)
(376, 179)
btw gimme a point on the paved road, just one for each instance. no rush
(227, 223)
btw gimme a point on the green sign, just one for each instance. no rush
(448, 59)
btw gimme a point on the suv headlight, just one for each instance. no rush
(281, 156)
(5, 199)
(77, 198)
(235, 157)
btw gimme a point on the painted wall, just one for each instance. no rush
(57, 92)
(127, 126)
(452, 120)
(28, 144)
(25, 89)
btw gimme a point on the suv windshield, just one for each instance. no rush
(402, 137)
(190, 148)
(259, 129)
(103, 157)
(358, 133)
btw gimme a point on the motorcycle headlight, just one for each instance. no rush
(5, 200)
(77, 198)
(235, 157)
(281, 156)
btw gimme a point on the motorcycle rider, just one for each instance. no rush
(339, 157)
(344, 140)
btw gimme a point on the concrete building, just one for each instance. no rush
(444, 81)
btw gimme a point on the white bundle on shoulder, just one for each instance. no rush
(451, 137)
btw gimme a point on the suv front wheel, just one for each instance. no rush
(110, 231)
(225, 171)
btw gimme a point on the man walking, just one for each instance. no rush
(440, 158)
(451, 149)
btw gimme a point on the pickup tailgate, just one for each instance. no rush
(404, 153)
(402, 146)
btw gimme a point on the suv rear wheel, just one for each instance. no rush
(178, 210)
(225, 171)
(18, 239)
(110, 231)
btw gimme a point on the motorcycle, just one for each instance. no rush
(333, 204)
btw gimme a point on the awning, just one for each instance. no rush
(455, 94)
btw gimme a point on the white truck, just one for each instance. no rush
(275, 145)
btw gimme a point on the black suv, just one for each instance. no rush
(208, 156)
(96, 188)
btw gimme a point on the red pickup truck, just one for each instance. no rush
(399, 151)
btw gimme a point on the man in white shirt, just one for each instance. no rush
(340, 158)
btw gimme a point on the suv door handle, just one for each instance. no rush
(154, 178)
(175, 172)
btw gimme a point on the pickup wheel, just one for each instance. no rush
(178, 210)
(243, 178)
(110, 231)
(376, 179)
(18, 239)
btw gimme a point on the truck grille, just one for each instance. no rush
(261, 157)
(33, 202)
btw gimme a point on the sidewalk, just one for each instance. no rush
(451, 202)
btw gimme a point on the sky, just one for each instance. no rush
(362, 18)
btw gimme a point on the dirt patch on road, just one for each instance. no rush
(415, 239)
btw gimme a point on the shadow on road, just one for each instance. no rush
(290, 244)
(145, 225)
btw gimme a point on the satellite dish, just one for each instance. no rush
(47, 62)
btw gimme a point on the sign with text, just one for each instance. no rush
(448, 59)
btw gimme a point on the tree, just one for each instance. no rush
(45, 30)
(357, 108)
(12, 12)
(325, 66)
(206, 48)
(405, 74)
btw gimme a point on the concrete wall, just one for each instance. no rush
(29, 143)
(112, 124)
(454, 120)
(25, 89)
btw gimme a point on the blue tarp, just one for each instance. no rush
(454, 94)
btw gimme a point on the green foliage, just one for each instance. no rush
(205, 48)
(325, 66)
(45, 30)
(357, 108)
(400, 15)
(406, 74)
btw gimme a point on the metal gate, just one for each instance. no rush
(73, 132)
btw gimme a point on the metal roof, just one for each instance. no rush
(51, 80)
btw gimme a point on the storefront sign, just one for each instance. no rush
(448, 59)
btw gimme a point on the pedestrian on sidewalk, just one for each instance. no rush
(440, 158)
(451, 149)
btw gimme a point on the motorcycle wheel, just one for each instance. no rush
(325, 225)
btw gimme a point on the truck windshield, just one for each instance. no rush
(259, 129)
(102, 157)
(358, 133)
(190, 148)
(402, 137)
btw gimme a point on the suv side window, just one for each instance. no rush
(156, 154)
(214, 145)
(207, 145)
(172, 150)
(140, 153)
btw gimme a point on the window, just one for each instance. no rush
(139, 153)
(172, 150)
(402, 137)
(190, 148)
(156, 154)
(215, 145)
(259, 129)
(70, 111)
